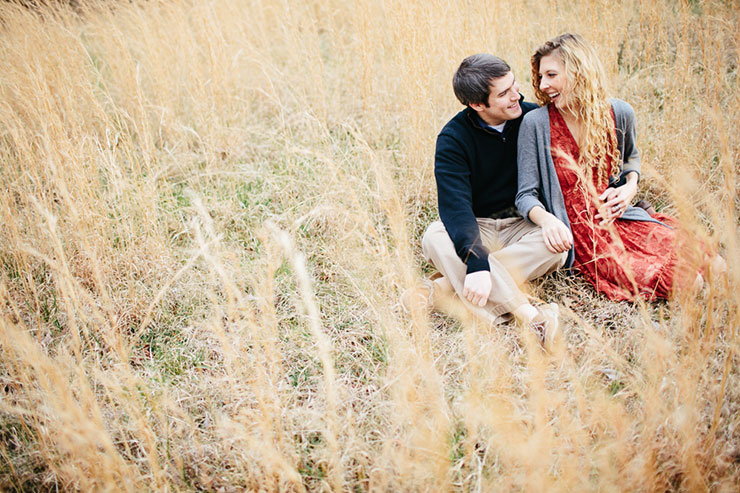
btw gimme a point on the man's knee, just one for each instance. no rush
(435, 235)
(560, 259)
(553, 260)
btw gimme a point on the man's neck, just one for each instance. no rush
(499, 126)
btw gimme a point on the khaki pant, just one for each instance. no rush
(518, 254)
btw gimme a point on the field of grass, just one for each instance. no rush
(209, 210)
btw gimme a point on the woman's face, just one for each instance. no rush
(553, 80)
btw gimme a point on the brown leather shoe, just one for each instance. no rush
(547, 326)
(427, 294)
(418, 298)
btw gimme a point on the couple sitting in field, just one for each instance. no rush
(525, 190)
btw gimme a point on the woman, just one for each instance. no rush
(570, 150)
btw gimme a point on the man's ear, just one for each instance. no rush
(477, 106)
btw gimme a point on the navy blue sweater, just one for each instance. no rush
(476, 172)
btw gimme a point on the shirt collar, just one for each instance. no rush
(483, 124)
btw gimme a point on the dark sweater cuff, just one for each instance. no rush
(476, 264)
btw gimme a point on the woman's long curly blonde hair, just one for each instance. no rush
(586, 98)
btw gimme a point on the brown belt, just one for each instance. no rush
(506, 213)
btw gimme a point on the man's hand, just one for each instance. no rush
(616, 200)
(558, 237)
(477, 287)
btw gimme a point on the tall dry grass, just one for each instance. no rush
(208, 212)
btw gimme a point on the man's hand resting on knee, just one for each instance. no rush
(477, 287)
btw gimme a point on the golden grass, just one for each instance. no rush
(208, 212)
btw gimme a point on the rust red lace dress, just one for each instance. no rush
(630, 259)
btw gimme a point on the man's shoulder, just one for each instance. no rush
(460, 123)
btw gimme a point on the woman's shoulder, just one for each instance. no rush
(539, 116)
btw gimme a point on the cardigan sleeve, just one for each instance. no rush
(626, 136)
(528, 176)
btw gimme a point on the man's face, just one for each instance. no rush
(503, 102)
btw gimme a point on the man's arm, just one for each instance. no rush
(455, 200)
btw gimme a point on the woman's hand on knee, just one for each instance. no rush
(558, 237)
(556, 234)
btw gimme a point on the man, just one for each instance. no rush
(482, 247)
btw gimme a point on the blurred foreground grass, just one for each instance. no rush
(210, 208)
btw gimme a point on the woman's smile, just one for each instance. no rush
(553, 78)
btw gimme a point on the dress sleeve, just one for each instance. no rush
(528, 162)
(455, 201)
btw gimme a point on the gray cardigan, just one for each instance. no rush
(538, 181)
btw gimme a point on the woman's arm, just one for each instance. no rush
(617, 199)
(557, 236)
(626, 125)
(528, 174)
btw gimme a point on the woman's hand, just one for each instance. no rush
(616, 200)
(558, 237)
(556, 234)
